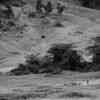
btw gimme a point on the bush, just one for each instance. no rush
(90, 3)
(61, 57)
(32, 66)
(21, 70)
(58, 24)
(68, 59)
(96, 51)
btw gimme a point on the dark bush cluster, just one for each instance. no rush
(96, 51)
(76, 95)
(61, 57)
(68, 59)
(34, 65)
(90, 3)
(31, 65)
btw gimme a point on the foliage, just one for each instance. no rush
(32, 66)
(68, 59)
(61, 57)
(96, 51)
(12, 2)
(76, 95)
(91, 3)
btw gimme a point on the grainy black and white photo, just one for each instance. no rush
(49, 49)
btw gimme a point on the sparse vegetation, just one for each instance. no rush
(76, 95)
(91, 3)
(68, 59)
(58, 24)
(96, 51)
(22, 96)
(35, 95)
(36, 32)
(63, 58)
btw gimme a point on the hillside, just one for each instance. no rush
(79, 27)
(27, 32)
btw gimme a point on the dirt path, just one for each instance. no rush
(50, 87)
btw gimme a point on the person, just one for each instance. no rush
(39, 6)
(60, 8)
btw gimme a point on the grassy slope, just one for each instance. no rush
(57, 85)
(79, 19)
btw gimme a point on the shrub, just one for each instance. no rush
(32, 66)
(61, 57)
(21, 70)
(58, 24)
(90, 3)
(96, 51)
(32, 15)
(76, 95)
(66, 58)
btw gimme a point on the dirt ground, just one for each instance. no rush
(50, 87)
